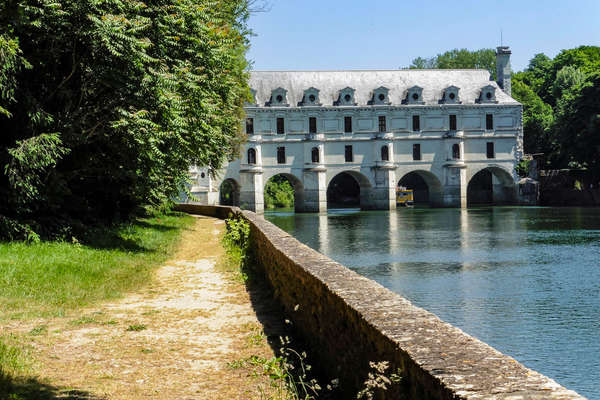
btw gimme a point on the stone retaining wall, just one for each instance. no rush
(348, 320)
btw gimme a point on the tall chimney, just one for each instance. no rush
(503, 68)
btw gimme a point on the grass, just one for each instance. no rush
(51, 278)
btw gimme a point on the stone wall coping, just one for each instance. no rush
(463, 366)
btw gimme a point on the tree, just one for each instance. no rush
(584, 58)
(536, 73)
(458, 59)
(577, 129)
(537, 119)
(104, 105)
(279, 193)
(567, 78)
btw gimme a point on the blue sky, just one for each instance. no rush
(387, 34)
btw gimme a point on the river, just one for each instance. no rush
(525, 280)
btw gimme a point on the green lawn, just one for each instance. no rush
(51, 278)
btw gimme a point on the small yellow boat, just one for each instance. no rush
(404, 197)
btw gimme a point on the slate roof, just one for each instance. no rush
(433, 81)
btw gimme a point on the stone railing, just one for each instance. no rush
(347, 320)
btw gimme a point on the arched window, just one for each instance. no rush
(456, 151)
(385, 153)
(315, 154)
(251, 156)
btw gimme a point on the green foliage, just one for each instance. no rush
(459, 59)
(279, 193)
(104, 105)
(577, 128)
(30, 161)
(567, 78)
(238, 232)
(236, 242)
(522, 168)
(561, 107)
(538, 118)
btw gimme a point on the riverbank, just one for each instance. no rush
(179, 334)
(522, 279)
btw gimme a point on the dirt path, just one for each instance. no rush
(171, 340)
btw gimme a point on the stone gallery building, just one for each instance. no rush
(453, 136)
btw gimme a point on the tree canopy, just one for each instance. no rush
(104, 105)
(560, 107)
(459, 59)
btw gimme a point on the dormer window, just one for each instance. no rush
(488, 95)
(278, 98)
(380, 96)
(414, 95)
(311, 97)
(346, 97)
(451, 95)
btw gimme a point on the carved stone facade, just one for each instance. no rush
(458, 121)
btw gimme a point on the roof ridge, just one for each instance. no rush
(371, 70)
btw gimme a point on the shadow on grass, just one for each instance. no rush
(115, 238)
(32, 389)
(156, 227)
(110, 239)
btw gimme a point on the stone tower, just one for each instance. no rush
(503, 68)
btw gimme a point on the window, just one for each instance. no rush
(452, 122)
(280, 126)
(314, 154)
(251, 156)
(348, 154)
(250, 126)
(416, 151)
(281, 155)
(456, 151)
(382, 127)
(385, 153)
(348, 124)
(347, 98)
(489, 122)
(416, 123)
(312, 125)
(490, 150)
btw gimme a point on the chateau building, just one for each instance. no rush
(450, 135)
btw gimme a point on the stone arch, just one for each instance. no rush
(349, 189)
(426, 186)
(297, 185)
(229, 192)
(492, 184)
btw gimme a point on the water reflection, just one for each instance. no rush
(524, 280)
